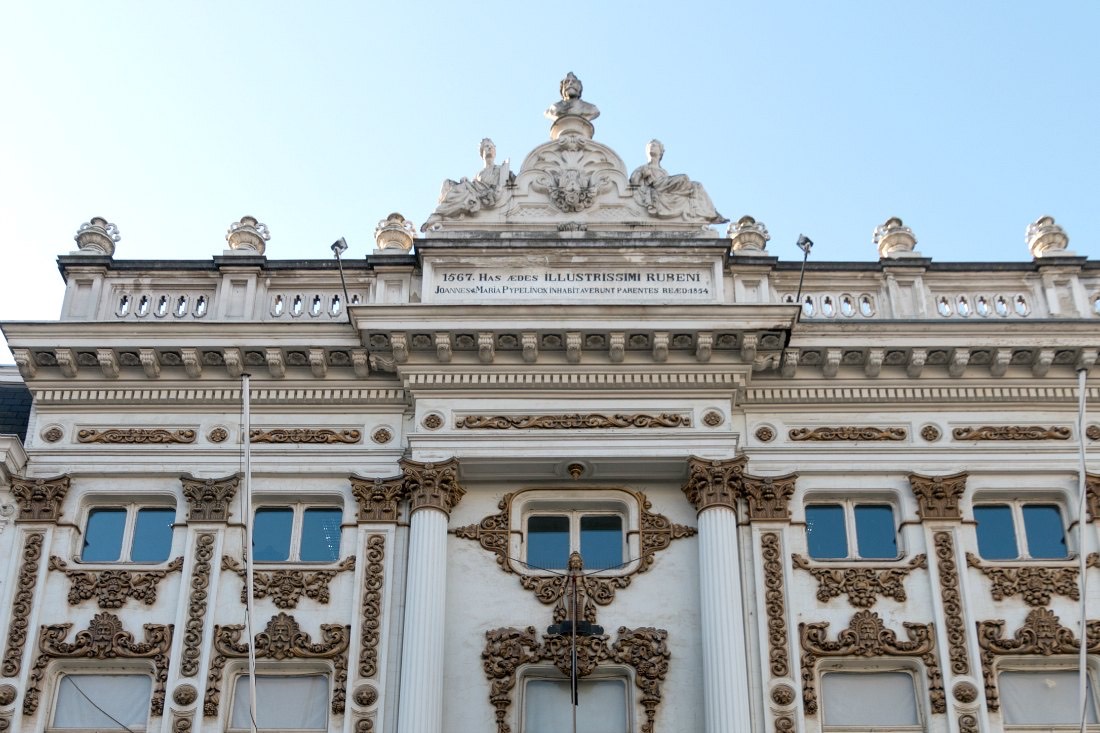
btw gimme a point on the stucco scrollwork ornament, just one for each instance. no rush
(111, 588)
(1041, 634)
(1013, 432)
(395, 233)
(135, 436)
(1045, 238)
(670, 197)
(282, 639)
(775, 605)
(893, 239)
(248, 235)
(22, 604)
(570, 174)
(573, 421)
(105, 638)
(39, 499)
(97, 237)
(323, 436)
(860, 583)
(848, 432)
(951, 592)
(1034, 583)
(748, 236)
(466, 196)
(208, 499)
(938, 496)
(867, 637)
(373, 583)
(286, 587)
(197, 604)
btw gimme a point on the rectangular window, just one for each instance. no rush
(602, 706)
(283, 702)
(296, 533)
(1020, 531)
(869, 701)
(102, 701)
(1046, 697)
(598, 537)
(849, 530)
(128, 534)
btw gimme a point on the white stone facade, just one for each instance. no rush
(528, 360)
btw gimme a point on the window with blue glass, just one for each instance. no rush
(597, 536)
(849, 530)
(296, 533)
(1020, 531)
(128, 533)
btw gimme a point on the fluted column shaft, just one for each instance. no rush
(421, 703)
(725, 675)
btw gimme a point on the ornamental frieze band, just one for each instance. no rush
(1012, 432)
(136, 436)
(847, 432)
(323, 436)
(574, 421)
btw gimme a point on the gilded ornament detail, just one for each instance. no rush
(1035, 583)
(323, 436)
(111, 588)
(863, 584)
(573, 421)
(1012, 432)
(1041, 634)
(105, 638)
(282, 639)
(951, 592)
(21, 605)
(867, 637)
(847, 432)
(286, 587)
(135, 436)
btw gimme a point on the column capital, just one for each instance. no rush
(208, 499)
(938, 496)
(378, 497)
(768, 496)
(714, 482)
(39, 498)
(432, 484)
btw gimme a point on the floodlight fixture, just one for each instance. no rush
(340, 246)
(804, 243)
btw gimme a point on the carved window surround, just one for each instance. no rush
(499, 533)
(508, 650)
(111, 587)
(208, 499)
(862, 583)
(286, 586)
(105, 638)
(867, 637)
(1034, 582)
(1041, 634)
(722, 483)
(282, 639)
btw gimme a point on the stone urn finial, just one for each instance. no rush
(1046, 239)
(248, 235)
(894, 239)
(748, 236)
(395, 233)
(97, 237)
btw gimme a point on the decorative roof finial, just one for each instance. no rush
(395, 233)
(248, 235)
(1047, 239)
(748, 236)
(894, 239)
(97, 237)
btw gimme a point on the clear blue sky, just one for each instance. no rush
(966, 119)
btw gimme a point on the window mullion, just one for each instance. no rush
(296, 533)
(128, 533)
(850, 529)
(1020, 530)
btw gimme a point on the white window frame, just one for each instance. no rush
(1016, 505)
(849, 504)
(554, 501)
(539, 672)
(131, 507)
(860, 666)
(299, 509)
(1054, 664)
(238, 669)
(75, 668)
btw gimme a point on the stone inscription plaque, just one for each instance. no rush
(613, 284)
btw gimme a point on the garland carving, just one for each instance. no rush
(1035, 583)
(861, 583)
(112, 587)
(286, 587)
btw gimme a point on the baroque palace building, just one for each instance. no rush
(566, 428)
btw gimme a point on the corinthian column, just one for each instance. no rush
(433, 490)
(712, 487)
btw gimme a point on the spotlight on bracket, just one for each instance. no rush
(805, 244)
(339, 247)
